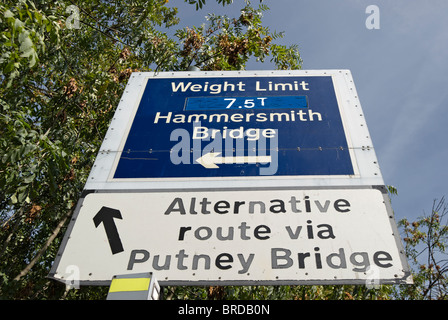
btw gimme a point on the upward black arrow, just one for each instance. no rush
(106, 215)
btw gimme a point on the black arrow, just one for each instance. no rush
(106, 216)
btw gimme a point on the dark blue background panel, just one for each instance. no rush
(302, 131)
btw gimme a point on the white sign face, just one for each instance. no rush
(312, 236)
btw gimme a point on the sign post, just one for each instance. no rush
(140, 286)
(223, 178)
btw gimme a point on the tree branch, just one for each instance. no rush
(58, 228)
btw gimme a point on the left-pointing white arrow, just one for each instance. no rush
(211, 159)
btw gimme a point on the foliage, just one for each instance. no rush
(227, 44)
(63, 68)
(336, 292)
(426, 241)
(200, 3)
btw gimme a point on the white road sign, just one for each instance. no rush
(234, 237)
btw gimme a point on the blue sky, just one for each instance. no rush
(400, 73)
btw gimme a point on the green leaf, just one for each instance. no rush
(9, 67)
(13, 199)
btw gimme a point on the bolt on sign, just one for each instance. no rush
(208, 178)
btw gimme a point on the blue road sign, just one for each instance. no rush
(236, 126)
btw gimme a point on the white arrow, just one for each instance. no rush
(211, 159)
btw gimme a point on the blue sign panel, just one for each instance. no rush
(236, 126)
(267, 102)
